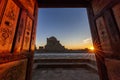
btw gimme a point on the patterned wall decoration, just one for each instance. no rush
(113, 31)
(34, 30)
(33, 38)
(29, 5)
(20, 32)
(103, 34)
(116, 11)
(8, 26)
(33, 42)
(2, 6)
(27, 35)
(15, 70)
(113, 68)
(98, 5)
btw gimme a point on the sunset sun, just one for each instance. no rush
(92, 48)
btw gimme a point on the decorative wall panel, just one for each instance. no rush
(112, 27)
(20, 32)
(15, 70)
(116, 11)
(113, 68)
(33, 38)
(113, 31)
(29, 5)
(34, 30)
(98, 5)
(8, 26)
(103, 34)
(2, 6)
(27, 35)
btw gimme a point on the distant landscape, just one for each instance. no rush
(54, 46)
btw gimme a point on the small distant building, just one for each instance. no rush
(53, 45)
(41, 47)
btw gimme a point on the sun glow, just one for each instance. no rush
(92, 48)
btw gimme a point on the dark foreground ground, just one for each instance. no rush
(64, 74)
(80, 70)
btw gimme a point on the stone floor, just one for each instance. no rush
(64, 74)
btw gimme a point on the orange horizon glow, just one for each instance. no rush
(77, 47)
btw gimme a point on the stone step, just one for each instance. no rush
(61, 60)
(64, 65)
(65, 56)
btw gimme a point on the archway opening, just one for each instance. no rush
(64, 41)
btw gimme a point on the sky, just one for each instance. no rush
(69, 25)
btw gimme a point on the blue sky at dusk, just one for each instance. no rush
(69, 25)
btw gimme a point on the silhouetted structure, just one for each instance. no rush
(53, 45)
